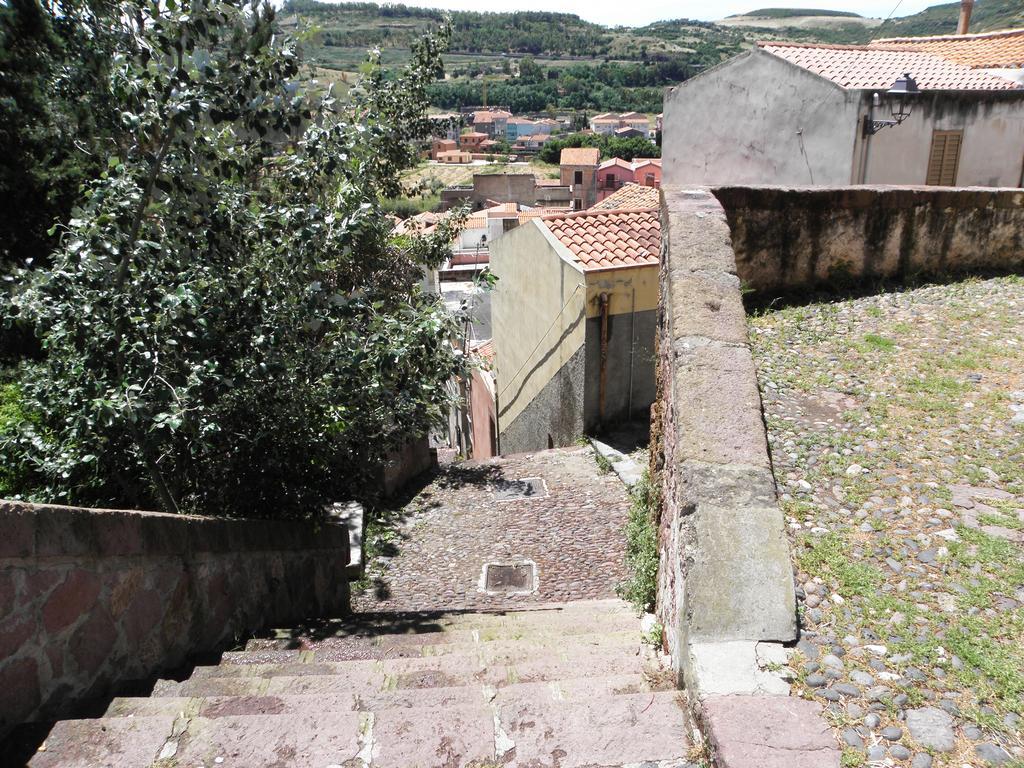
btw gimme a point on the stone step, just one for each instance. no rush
(553, 618)
(580, 689)
(104, 743)
(617, 731)
(372, 676)
(491, 650)
(612, 731)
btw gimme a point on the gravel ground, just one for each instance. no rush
(896, 424)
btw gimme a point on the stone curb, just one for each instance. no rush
(628, 471)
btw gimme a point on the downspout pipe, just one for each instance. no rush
(966, 8)
(603, 376)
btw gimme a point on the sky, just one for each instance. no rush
(634, 13)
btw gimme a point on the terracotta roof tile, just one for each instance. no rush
(629, 196)
(602, 239)
(484, 350)
(990, 50)
(580, 156)
(862, 67)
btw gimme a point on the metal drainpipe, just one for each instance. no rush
(602, 383)
(632, 346)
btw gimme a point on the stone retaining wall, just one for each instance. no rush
(786, 239)
(725, 572)
(91, 598)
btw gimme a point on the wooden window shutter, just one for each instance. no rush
(944, 160)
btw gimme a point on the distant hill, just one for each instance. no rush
(539, 61)
(989, 15)
(788, 13)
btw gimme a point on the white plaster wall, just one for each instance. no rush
(759, 120)
(993, 147)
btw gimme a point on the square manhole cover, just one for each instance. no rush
(513, 490)
(518, 578)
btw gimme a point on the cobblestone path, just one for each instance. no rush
(896, 424)
(431, 552)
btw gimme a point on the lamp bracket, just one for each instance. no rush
(872, 126)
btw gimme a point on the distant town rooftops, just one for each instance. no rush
(989, 50)
(863, 67)
(580, 156)
(609, 239)
(629, 196)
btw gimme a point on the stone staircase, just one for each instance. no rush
(565, 685)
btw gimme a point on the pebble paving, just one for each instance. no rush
(896, 425)
(429, 554)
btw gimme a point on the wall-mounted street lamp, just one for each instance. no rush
(900, 105)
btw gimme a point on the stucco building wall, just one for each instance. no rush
(758, 120)
(539, 318)
(992, 153)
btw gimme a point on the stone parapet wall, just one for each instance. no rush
(92, 598)
(787, 239)
(725, 571)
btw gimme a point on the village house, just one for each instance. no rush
(579, 172)
(573, 318)
(519, 127)
(523, 188)
(531, 143)
(493, 122)
(610, 123)
(442, 146)
(614, 173)
(787, 113)
(472, 141)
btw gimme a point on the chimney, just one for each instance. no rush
(966, 6)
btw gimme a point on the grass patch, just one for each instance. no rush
(878, 343)
(826, 557)
(641, 586)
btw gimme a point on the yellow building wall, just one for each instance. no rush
(619, 284)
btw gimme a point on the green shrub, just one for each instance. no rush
(230, 325)
(16, 476)
(641, 586)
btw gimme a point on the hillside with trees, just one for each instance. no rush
(942, 19)
(534, 61)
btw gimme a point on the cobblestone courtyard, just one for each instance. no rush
(429, 554)
(896, 424)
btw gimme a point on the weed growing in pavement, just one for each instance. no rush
(641, 585)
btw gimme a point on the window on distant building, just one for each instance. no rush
(944, 160)
(610, 181)
(577, 204)
(577, 177)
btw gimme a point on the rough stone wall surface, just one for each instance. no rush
(725, 568)
(787, 239)
(91, 598)
(555, 414)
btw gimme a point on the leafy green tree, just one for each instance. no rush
(54, 116)
(610, 146)
(231, 325)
